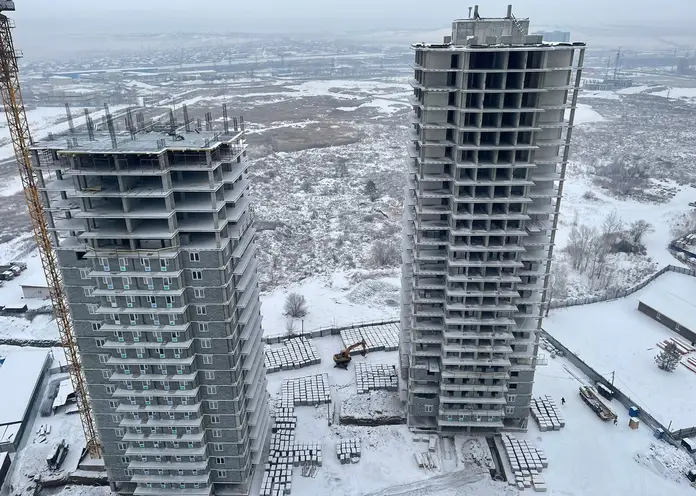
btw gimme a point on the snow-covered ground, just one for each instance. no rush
(587, 457)
(333, 301)
(615, 337)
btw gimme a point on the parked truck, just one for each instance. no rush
(590, 396)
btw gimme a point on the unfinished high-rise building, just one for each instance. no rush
(156, 242)
(493, 117)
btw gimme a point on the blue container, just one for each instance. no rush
(633, 411)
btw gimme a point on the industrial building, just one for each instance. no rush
(21, 376)
(493, 114)
(154, 234)
(676, 312)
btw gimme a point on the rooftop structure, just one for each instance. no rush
(155, 237)
(493, 116)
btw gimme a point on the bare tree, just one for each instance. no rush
(385, 254)
(306, 186)
(668, 358)
(638, 229)
(295, 306)
(290, 325)
(371, 190)
(341, 168)
(558, 284)
(612, 227)
(684, 224)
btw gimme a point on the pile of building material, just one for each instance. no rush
(348, 450)
(548, 346)
(682, 345)
(375, 376)
(427, 460)
(547, 414)
(690, 364)
(527, 462)
(294, 354)
(277, 473)
(307, 455)
(377, 338)
(303, 391)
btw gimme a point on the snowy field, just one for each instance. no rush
(615, 337)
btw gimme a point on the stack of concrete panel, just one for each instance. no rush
(527, 462)
(303, 391)
(307, 454)
(277, 474)
(547, 414)
(374, 376)
(294, 354)
(348, 450)
(378, 338)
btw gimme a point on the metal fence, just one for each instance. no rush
(615, 295)
(622, 397)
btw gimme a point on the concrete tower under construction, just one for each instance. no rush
(491, 130)
(156, 242)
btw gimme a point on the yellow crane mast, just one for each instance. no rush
(21, 140)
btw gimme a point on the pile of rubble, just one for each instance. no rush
(294, 354)
(527, 463)
(348, 451)
(308, 390)
(547, 415)
(377, 338)
(375, 376)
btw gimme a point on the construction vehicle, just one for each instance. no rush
(590, 396)
(21, 141)
(342, 359)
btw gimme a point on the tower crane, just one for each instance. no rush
(21, 140)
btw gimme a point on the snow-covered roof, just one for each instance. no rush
(19, 378)
(678, 305)
(65, 389)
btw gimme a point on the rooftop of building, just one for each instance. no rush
(152, 142)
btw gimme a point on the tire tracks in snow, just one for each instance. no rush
(433, 485)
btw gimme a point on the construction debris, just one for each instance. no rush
(377, 338)
(373, 376)
(294, 354)
(527, 462)
(547, 414)
(302, 391)
(348, 450)
(548, 346)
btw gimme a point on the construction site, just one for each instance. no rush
(171, 374)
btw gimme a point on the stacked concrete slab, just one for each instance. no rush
(293, 354)
(527, 462)
(284, 453)
(277, 474)
(547, 414)
(375, 376)
(309, 390)
(378, 338)
(348, 450)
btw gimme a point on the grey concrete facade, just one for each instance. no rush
(492, 124)
(156, 244)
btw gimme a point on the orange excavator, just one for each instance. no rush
(343, 358)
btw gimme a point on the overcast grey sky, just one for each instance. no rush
(129, 16)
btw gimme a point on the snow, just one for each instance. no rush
(19, 376)
(585, 114)
(604, 95)
(675, 306)
(615, 337)
(592, 457)
(593, 213)
(632, 90)
(330, 301)
(678, 93)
